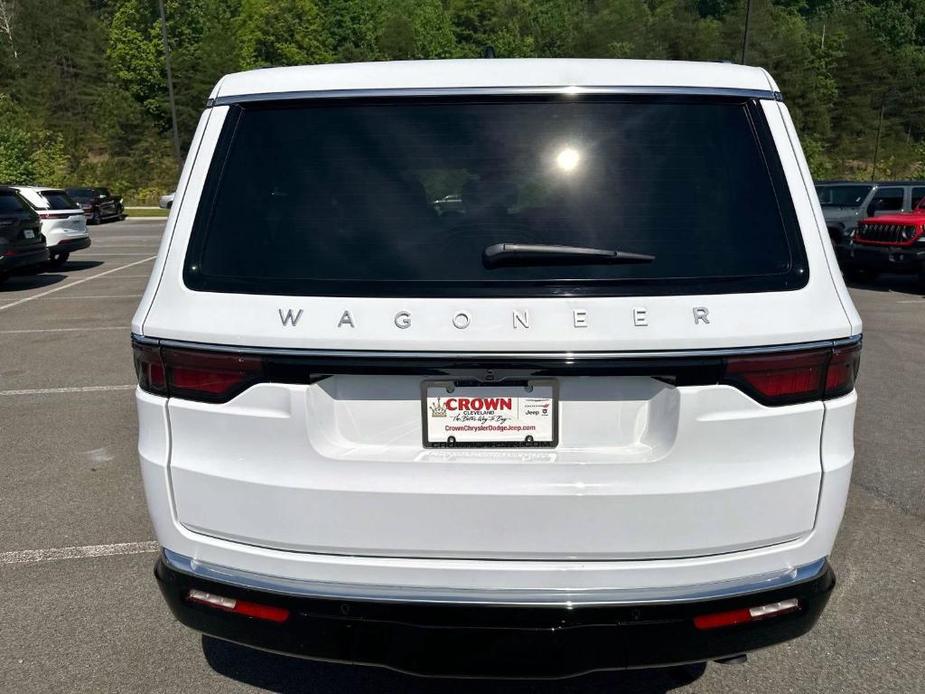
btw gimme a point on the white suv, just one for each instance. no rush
(63, 223)
(597, 415)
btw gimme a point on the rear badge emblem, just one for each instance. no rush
(521, 319)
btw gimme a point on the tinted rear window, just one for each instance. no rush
(401, 198)
(10, 202)
(57, 200)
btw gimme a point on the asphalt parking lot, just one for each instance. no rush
(79, 610)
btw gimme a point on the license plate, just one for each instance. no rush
(28, 233)
(476, 416)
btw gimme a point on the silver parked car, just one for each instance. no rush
(845, 203)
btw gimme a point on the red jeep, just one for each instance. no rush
(887, 243)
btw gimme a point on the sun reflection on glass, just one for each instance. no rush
(568, 159)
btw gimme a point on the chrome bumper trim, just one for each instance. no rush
(566, 598)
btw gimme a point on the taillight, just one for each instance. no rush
(209, 376)
(780, 378)
(793, 377)
(54, 215)
(194, 375)
(843, 370)
(149, 368)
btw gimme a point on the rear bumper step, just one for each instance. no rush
(69, 245)
(455, 639)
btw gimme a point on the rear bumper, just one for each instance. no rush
(881, 258)
(496, 640)
(23, 259)
(103, 214)
(69, 245)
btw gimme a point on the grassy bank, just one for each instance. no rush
(145, 212)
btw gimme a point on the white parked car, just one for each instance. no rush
(63, 222)
(166, 201)
(571, 428)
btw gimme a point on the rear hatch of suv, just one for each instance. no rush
(355, 367)
(20, 227)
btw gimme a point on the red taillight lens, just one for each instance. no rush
(843, 370)
(149, 368)
(792, 377)
(54, 215)
(780, 378)
(192, 375)
(211, 376)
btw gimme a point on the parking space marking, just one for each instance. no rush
(911, 301)
(101, 255)
(95, 296)
(31, 556)
(62, 330)
(76, 283)
(71, 389)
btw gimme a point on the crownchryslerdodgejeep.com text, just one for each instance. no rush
(498, 367)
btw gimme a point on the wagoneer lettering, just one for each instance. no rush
(515, 419)
(580, 318)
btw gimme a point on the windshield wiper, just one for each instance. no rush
(501, 254)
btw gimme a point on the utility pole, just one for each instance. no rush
(873, 173)
(173, 105)
(748, 16)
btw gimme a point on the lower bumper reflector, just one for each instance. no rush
(749, 614)
(243, 607)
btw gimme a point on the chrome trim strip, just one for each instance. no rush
(141, 339)
(513, 597)
(489, 91)
(521, 356)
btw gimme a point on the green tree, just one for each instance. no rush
(92, 105)
(281, 32)
(28, 154)
(415, 29)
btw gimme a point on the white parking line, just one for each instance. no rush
(911, 301)
(74, 389)
(95, 296)
(75, 283)
(62, 330)
(91, 254)
(30, 556)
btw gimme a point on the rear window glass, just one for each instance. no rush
(81, 192)
(402, 198)
(58, 200)
(9, 202)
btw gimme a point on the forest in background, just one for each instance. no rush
(83, 91)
